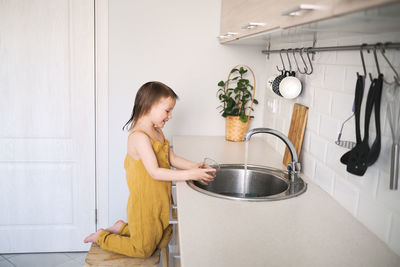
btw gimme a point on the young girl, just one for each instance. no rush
(149, 177)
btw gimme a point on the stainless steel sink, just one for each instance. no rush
(261, 184)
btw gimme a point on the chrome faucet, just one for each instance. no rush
(294, 166)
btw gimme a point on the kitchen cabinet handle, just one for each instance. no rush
(173, 221)
(176, 256)
(173, 214)
(296, 10)
(252, 25)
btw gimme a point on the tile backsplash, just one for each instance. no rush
(329, 94)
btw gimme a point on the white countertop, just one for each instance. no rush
(309, 230)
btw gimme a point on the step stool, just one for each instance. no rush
(98, 257)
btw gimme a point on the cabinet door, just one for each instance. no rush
(295, 12)
(346, 6)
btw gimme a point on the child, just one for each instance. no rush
(149, 177)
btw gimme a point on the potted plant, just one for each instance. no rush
(237, 98)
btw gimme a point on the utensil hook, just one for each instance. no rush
(382, 50)
(283, 63)
(307, 50)
(287, 55)
(295, 60)
(376, 62)
(302, 58)
(362, 60)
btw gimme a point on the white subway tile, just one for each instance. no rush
(342, 105)
(351, 39)
(349, 58)
(334, 77)
(389, 198)
(306, 141)
(326, 57)
(279, 145)
(318, 147)
(324, 177)
(322, 101)
(394, 59)
(272, 105)
(333, 155)
(374, 216)
(306, 97)
(307, 162)
(313, 120)
(350, 78)
(368, 183)
(329, 128)
(286, 109)
(394, 235)
(316, 79)
(346, 194)
(384, 158)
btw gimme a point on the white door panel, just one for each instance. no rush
(47, 136)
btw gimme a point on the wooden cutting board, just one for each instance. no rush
(296, 130)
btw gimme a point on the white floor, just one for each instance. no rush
(70, 259)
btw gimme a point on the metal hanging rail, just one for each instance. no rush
(336, 48)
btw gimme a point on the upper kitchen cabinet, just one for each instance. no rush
(346, 6)
(295, 12)
(241, 18)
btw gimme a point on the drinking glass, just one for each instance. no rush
(211, 163)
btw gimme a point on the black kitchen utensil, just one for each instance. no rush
(357, 162)
(277, 81)
(376, 145)
(358, 96)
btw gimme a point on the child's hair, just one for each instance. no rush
(148, 94)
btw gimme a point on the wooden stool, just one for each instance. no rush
(99, 257)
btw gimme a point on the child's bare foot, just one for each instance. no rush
(93, 237)
(115, 228)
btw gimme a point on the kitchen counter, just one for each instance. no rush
(309, 230)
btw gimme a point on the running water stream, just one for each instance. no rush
(246, 155)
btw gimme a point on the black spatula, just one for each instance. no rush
(358, 96)
(358, 158)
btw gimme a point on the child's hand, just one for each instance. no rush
(203, 174)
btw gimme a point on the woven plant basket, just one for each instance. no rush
(235, 129)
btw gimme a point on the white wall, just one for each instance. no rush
(173, 42)
(329, 93)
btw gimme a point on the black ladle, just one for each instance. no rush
(376, 145)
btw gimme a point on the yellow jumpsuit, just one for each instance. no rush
(148, 225)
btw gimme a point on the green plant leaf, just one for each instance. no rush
(243, 118)
(234, 70)
(255, 101)
(221, 83)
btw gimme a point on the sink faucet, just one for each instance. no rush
(294, 166)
